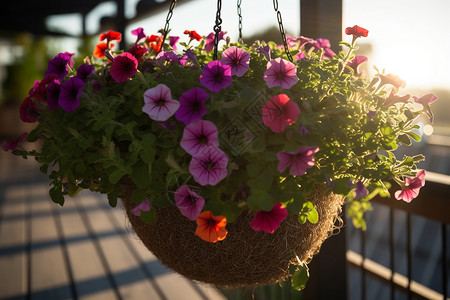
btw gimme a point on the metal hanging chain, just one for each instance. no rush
(283, 34)
(239, 12)
(217, 28)
(169, 16)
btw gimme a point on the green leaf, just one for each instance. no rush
(112, 199)
(115, 176)
(300, 277)
(56, 195)
(148, 216)
(416, 137)
(253, 170)
(308, 212)
(138, 196)
(404, 139)
(140, 174)
(260, 200)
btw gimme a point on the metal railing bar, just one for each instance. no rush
(409, 254)
(444, 261)
(363, 271)
(392, 250)
(380, 272)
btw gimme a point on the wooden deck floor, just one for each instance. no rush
(84, 250)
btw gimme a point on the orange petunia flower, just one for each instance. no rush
(100, 49)
(211, 228)
(111, 35)
(193, 35)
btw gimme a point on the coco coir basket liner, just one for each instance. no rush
(246, 257)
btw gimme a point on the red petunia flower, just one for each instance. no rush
(356, 31)
(193, 35)
(100, 49)
(111, 35)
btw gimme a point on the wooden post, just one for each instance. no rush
(322, 19)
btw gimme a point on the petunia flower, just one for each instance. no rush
(426, 100)
(303, 130)
(110, 36)
(264, 50)
(356, 31)
(159, 104)
(143, 206)
(191, 56)
(269, 221)
(209, 45)
(100, 49)
(59, 65)
(209, 166)
(211, 228)
(193, 35)
(39, 89)
(297, 161)
(199, 135)
(189, 202)
(53, 91)
(173, 42)
(84, 71)
(123, 67)
(411, 187)
(168, 55)
(12, 145)
(216, 76)
(325, 44)
(69, 96)
(238, 59)
(28, 111)
(280, 72)
(300, 56)
(139, 33)
(360, 191)
(155, 42)
(393, 99)
(355, 63)
(391, 79)
(192, 105)
(137, 51)
(279, 112)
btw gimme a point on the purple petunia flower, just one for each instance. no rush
(297, 161)
(58, 65)
(269, 221)
(209, 45)
(173, 42)
(189, 202)
(304, 131)
(264, 51)
(280, 72)
(168, 55)
(123, 67)
(12, 145)
(238, 59)
(199, 135)
(143, 206)
(355, 63)
(139, 32)
(209, 166)
(53, 91)
(192, 105)
(360, 191)
(159, 104)
(69, 96)
(84, 71)
(216, 76)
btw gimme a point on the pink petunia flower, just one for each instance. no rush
(209, 166)
(173, 42)
(280, 72)
(360, 191)
(192, 105)
(238, 59)
(139, 33)
(392, 80)
(297, 161)
(69, 96)
(356, 62)
(393, 99)
(143, 206)
(300, 56)
(269, 221)
(159, 104)
(198, 136)
(169, 56)
(209, 45)
(189, 202)
(12, 145)
(123, 67)
(426, 101)
(279, 112)
(411, 187)
(216, 76)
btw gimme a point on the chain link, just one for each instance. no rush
(169, 16)
(239, 12)
(283, 34)
(217, 28)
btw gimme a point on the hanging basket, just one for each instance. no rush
(245, 257)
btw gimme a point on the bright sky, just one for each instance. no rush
(409, 37)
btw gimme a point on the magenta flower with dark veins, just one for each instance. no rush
(58, 65)
(269, 221)
(297, 161)
(199, 135)
(280, 72)
(209, 166)
(123, 67)
(192, 105)
(238, 59)
(216, 76)
(69, 96)
(159, 104)
(189, 202)
(139, 33)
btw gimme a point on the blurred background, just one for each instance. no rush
(408, 38)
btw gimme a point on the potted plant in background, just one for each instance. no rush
(230, 168)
